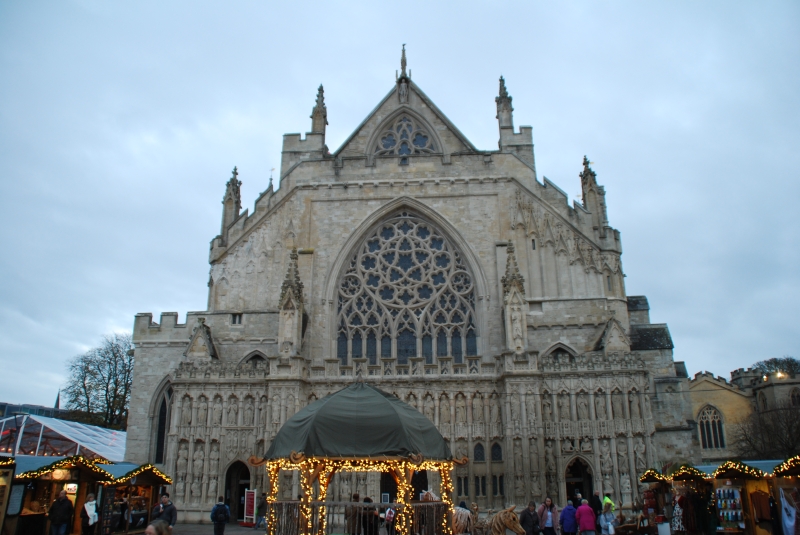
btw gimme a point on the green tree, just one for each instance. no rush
(98, 390)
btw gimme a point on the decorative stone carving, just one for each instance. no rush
(583, 407)
(180, 486)
(519, 487)
(186, 411)
(586, 445)
(290, 329)
(606, 462)
(494, 410)
(600, 406)
(213, 458)
(504, 109)
(201, 345)
(622, 454)
(616, 405)
(182, 463)
(636, 412)
(461, 409)
(429, 408)
(625, 488)
(567, 446)
(549, 457)
(212, 488)
(262, 412)
(319, 114)
(563, 408)
(202, 411)
(477, 408)
(233, 411)
(639, 455)
(518, 456)
(216, 415)
(196, 490)
(402, 91)
(515, 304)
(249, 411)
(547, 410)
(198, 458)
(405, 136)
(444, 410)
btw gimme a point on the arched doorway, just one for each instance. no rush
(579, 479)
(237, 479)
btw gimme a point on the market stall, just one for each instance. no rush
(786, 495)
(357, 429)
(691, 501)
(128, 499)
(655, 496)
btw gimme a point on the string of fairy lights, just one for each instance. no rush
(728, 469)
(93, 465)
(320, 469)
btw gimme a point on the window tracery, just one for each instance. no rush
(403, 138)
(711, 431)
(406, 293)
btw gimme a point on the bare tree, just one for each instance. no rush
(99, 387)
(786, 364)
(769, 434)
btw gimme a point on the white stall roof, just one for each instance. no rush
(107, 443)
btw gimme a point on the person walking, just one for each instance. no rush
(220, 515)
(529, 519)
(586, 519)
(261, 512)
(352, 517)
(567, 519)
(548, 516)
(165, 511)
(60, 514)
(607, 519)
(607, 500)
(371, 519)
(597, 506)
(89, 515)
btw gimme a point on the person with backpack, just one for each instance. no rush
(220, 515)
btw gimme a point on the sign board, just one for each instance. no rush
(250, 505)
(5, 491)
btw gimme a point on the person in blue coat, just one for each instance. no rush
(567, 519)
(220, 515)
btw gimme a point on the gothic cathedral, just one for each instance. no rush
(450, 276)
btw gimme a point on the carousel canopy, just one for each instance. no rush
(359, 421)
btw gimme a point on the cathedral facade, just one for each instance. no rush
(450, 276)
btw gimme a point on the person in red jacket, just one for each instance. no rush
(586, 518)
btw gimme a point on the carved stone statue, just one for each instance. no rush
(213, 458)
(402, 91)
(608, 484)
(516, 327)
(276, 409)
(262, 412)
(549, 457)
(563, 408)
(186, 412)
(180, 486)
(616, 404)
(518, 456)
(249, 412)
(530, 409)
(182, 464)
(547, 411)
(639, 455)
(429, 408)
(477, 408)
(216, 415)
(196, 490)
(622, 453)
(533, 449)
(199, 459)
(519, 488)
(233, 442)
(444, 410)
(344, 487)
(536, 487)
(494, 411)
(586, 445)
(566, 446)
(600, 406)
(212, 487)
(636, 412)
(606, 462)
(647, 412)
(202, 412)
(461, 410)
(233, 412)
(289, 405)
(412, 400)
(583, 408)
(625, 488)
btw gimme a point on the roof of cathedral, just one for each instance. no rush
(650, 336)
(638, 302)
(359, 421)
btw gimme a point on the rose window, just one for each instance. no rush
(405, 137)
(406, 293)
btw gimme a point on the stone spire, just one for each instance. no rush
(292, 281)
(231, 202)
(588, 177)
(512, 279)
(403, 62)
(319, 115)
(594, 198)
(504, 109)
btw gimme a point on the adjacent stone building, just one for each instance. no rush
(456, 278)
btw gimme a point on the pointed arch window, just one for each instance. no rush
(479, 454)
(410, 288)
(403, 138)
(162, 425)
(497, 453)
(712, 434)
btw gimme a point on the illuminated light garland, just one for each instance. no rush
(7, 461)
(652, 475)
(322, 469)
(69, 462)
(687, 472)
(736, 466)
(788, 468)
(144, 468)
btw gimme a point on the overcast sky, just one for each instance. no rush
(121, 121)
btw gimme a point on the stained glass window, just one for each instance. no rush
(408, 287)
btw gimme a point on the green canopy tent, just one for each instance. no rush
(360, 429)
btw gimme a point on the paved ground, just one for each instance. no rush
(208, 529)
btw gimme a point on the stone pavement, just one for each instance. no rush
(208, 529)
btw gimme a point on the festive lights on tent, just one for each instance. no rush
(321, 469)
(652, 475)
(6, 461)
(69, 462)
(725, 468)
(688, 473)
(789, 467)
(144, 468)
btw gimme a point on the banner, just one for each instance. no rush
(250, 505)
